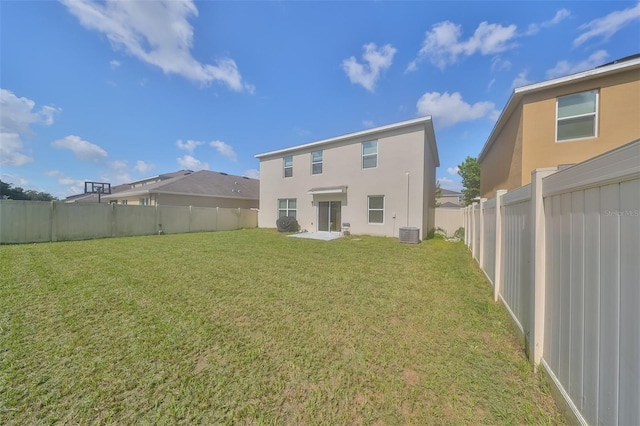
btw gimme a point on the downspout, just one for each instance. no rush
(407, 222)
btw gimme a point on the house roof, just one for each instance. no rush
(450, 205)
(624, 64)
(426, 121)
(203, 183)
(92, 197)
(448, 192)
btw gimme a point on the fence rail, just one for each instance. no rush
(42, 221)
(563, 255)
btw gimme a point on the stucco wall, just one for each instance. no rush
(501, 167)
(618, 123)
(400, 151)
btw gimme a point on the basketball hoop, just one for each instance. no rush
(97, 188)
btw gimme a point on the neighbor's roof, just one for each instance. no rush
(620, 65)
(448, 192)
(203, 183)
(93, 197)
(425, 121)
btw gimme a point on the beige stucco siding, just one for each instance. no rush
(501, 167)
(400, 151)
(618, 123)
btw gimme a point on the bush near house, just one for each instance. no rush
(252, 327)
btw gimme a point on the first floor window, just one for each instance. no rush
(287, 163)
(287, 207)
(124, 202)
(375, 207)
(577, 116)
(144, 201)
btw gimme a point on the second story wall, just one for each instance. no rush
(618, 109)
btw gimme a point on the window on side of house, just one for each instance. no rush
(369, 154)
(124, 202)
(287, 163)
(316, 163)
(287, 207)
(375, 209)
(144, 201)
(577, 116)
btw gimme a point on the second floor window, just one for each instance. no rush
(316, 163)
(577, 116)
(288, 166)
(369, 154)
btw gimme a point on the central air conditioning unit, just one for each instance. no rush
(409, 235)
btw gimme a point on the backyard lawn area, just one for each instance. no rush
(251, 327)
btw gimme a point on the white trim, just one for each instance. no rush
(422, 120)
(595, 115)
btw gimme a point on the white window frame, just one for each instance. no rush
(595, 115)
(144, 201)
(363, 155)
(369, 209)
(287, 209)
(315, 163)
(285, 167)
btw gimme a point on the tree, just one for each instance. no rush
(7, 191)
(469, 171)
(438, 193)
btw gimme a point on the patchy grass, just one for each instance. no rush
(251, 327)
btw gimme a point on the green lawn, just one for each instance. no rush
(251, 327)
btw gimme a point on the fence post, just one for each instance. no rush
(538, 271)
(473, 229)
(481, 243)
(497, 270)
(52, 218)
(190, 212)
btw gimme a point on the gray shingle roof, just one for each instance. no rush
(203, 183)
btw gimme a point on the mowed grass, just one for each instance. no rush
(251, 327)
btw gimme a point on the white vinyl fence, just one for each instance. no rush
(41, 221)
(563, 255)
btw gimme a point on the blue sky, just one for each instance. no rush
(118, 91)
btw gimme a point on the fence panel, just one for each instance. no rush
(80, 221)
(489, 243)
(203, 219)
(449, 219)
(228, 219)
(248, 218)
(133, 220)
(25, 221)
(174, 219)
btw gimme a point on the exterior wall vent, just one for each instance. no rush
(409, 235)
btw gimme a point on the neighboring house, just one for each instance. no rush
(186, 188)
(93, 197)
(450, 199)
(560, 122)
(375, 180)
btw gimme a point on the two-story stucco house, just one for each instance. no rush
(376, 181)
(562, 121)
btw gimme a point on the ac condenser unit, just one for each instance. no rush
(409, 235)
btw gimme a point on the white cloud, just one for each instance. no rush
(376, 60)
(609, 25)
(14, 179)
(449, 109)
(453, 171)
(560, 16)
(143, 167)
(191, 163)
(114, 64)
(520, 80)
(17, 115)
(500, 64)
(367, 123)
(442, 45)
(82, 149)
(563, 68)
(224, 149)
(158, 33)
(252, 173)
(450, 184)
(189, 145)
(75, 186)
